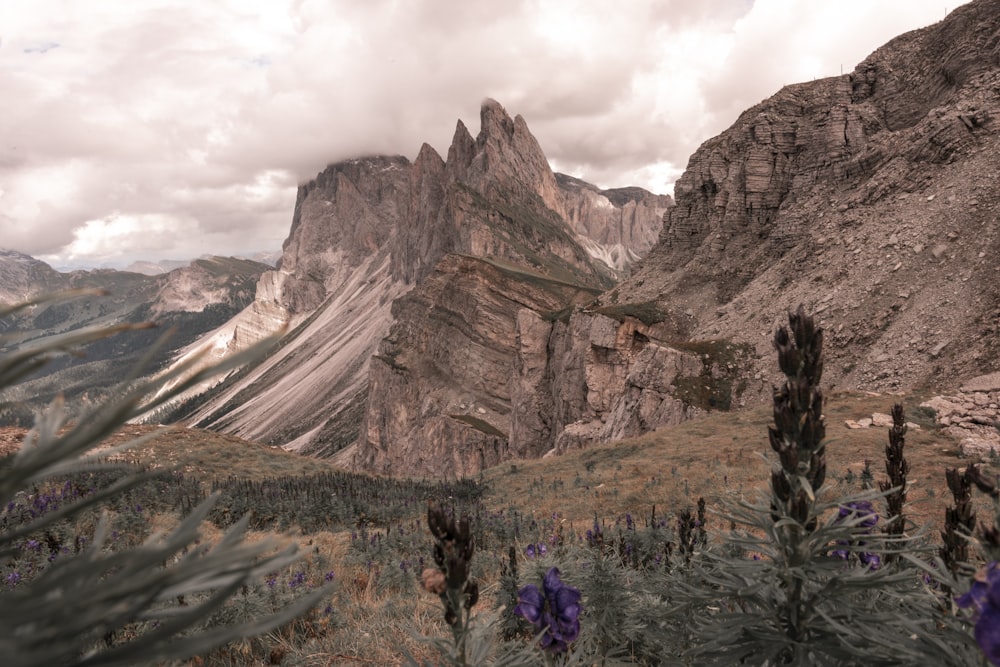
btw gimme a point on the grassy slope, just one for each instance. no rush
(719, 456)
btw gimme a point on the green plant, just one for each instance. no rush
(116, 606)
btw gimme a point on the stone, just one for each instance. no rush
(983, 383)
(881, 420)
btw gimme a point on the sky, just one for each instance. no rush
(169, 129)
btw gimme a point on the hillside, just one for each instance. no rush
(872, 198)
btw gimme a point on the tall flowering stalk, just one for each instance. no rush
(959, 521)
(897, 468)
(453, 549)
(798, 431)
(983, 598)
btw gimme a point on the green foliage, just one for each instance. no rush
(722, 377)
(647, 312)
(157, 593)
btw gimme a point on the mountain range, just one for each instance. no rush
(187, 302)
(449, 313)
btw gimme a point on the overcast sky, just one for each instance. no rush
(148, 129)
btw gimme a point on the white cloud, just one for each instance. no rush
(190, 122)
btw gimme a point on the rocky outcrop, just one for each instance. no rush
(332, 290)
(869, 198)
(487, 362)
(209, 281)
(602, 379)
(971, 416)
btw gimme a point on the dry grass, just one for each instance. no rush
(722, 457)
(203, 454)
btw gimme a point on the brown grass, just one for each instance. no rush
(720, 456)
(203, 454)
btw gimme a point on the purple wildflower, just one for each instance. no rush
(861, 509)
(555, 611)
(984, 599)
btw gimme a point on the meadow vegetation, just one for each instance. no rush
(762, 537)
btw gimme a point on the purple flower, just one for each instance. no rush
(861, 509)
(984, 599)
(555, 610)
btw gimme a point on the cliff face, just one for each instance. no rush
(332, 290)
(871, 198)
(440, 399)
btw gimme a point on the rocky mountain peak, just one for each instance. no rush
(470, 241)
(343, 217)
(504, 159)
(22, 277)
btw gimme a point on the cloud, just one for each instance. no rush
(134, 119)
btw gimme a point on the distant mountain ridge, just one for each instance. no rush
(192, 300)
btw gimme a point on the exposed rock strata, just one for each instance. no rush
(478, 368)
(622, 224)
